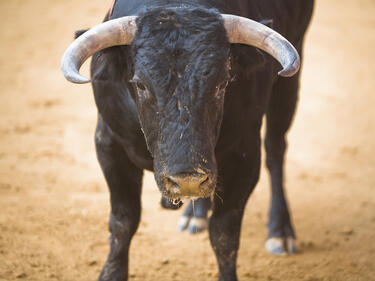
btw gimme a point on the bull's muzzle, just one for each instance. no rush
(188, 185)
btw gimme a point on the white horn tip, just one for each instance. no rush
(70, 68)
(78, 79)
(290, 69)
(73, 76)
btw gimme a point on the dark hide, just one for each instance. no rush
(164, 106)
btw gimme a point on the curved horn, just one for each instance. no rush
(108, 34)
(245, 31)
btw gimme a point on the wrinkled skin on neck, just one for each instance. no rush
(181, 65)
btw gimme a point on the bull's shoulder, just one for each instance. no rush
(289, 17)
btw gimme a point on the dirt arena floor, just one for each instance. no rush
(54, 202)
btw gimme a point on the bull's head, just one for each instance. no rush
(181, 69)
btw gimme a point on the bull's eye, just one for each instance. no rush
(222, 86)
(140, 86)
(220, 89)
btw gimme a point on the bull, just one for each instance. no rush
(181, 89)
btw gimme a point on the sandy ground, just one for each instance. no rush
(54, 202)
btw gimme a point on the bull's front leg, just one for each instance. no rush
(124, 182)
(282, 105)
(224, 235)
(238, 181)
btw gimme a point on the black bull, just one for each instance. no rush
(183, 102)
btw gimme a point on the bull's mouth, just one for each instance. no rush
(176, 201)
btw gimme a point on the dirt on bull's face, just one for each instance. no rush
(180, 98)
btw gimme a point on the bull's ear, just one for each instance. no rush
(267, 22)
(254, 58)
(79, 33)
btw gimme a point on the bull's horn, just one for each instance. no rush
(245, 31)
(111, 33)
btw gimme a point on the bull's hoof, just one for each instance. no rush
(275, 246)
(183, 223)
(197, 225)
(291, 245)
(281, 246)
(192, 224)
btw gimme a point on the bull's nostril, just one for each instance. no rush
(187, 184)
(204, 180)
(172, 185)
(170, 181)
